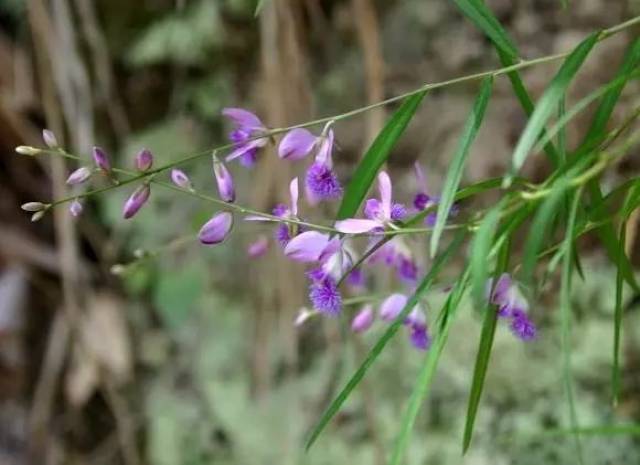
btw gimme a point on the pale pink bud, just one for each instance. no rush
(180, 179)
(50, 139)
(135, 201)
(224, 180)
(216, 229)
(79, 176)
(144, 160)
(26, 150)
(101, 159)
(258, 248)
(33, 206)
(76, 208)
(363, 319)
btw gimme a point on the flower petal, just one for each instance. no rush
(363, 319)
(384, 186)
(244, 148)
(293, 192)
(243, 118)
(356, 226)
(392, 306)
(296, 144)
(324, 151)
(307, 247)
(216, 229)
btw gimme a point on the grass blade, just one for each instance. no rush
(376, 156)
(617, 321)
(454, 175)
(355, 379)
(484, 348)
(428, 370)
(540, 228)
(548, 102)
(480, 255)
(565, 314)
(480, 15)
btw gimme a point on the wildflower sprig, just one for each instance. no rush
(503, 289)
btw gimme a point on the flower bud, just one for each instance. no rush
(50, 139)
(101, 159)
(33, 206)
(216, 229)
(79, 176)
(37, 215)
(303, 315)
(180, 179)
(144, 160)
(76, 208)
(392, 306)
(135, 201)
(26, 150)
(224, 181)
(258, 248)
(363, 319)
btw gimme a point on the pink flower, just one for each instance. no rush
(144, 160)
(135, 201)
(216, 229)
(363, 319)
(245, 135)
(380, 213)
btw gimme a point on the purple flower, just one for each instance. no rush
(216, 229)
(79, 176)
(101, 159)
(284, 231)
(321, 183)
(511, 304)
(325, 296)
(333, 255)
(144, 160)
(180, 179)
(49, 139)
(135, 201)
(378, 212)
(258, 247)
(522, 327)
(419, 337)
(363, 319)
(407, 269)
(245, 135)
(224, 181)
(356, 279)
(392, 306)
(75, 208)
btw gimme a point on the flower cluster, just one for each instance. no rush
(331, 256)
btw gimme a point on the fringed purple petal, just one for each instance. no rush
(322, 183)
(325, 297)
(398, 212)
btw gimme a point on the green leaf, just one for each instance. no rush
(376, 156)
(605, 109)
(548, 102)
(428, 369)
(355, 379)
(484, 350)
(480, 255)
(617, 320)
(565, 314)
(540, 228)
(480, 15)
(454, 175)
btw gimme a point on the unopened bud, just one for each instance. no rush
(37, 216)
(224, 180)
(101, 159)
(27, 150)
(180, 179)
(76, 208)
(79, 176)
(50, 139)
(144, 160)
(135, 201)
(33, 206)
(216, 229)
(118, 269)
(363, 319)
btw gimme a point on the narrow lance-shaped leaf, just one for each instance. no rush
(454, 175)
(490, 318)
(548, 102)
(475, 10)
(355, 379)
(565, 315)
(480, 255)
(428, 369)
(483, 18)
(540, 228)
(376, 156)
